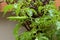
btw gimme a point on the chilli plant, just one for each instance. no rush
(39, 17)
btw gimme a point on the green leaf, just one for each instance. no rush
(41, 37)
(51, 12)
(26, 36)
(30, 12)
(40, 8)
(34, 11)
(17, 10)
(15, 6)
(16, 30)
(7, 8)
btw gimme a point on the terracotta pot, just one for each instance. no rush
(2, 5)
(57, 3)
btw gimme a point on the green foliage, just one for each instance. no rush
(40, 16)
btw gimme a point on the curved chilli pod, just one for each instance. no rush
(18, 18)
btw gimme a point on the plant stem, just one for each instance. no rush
(26, 26)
